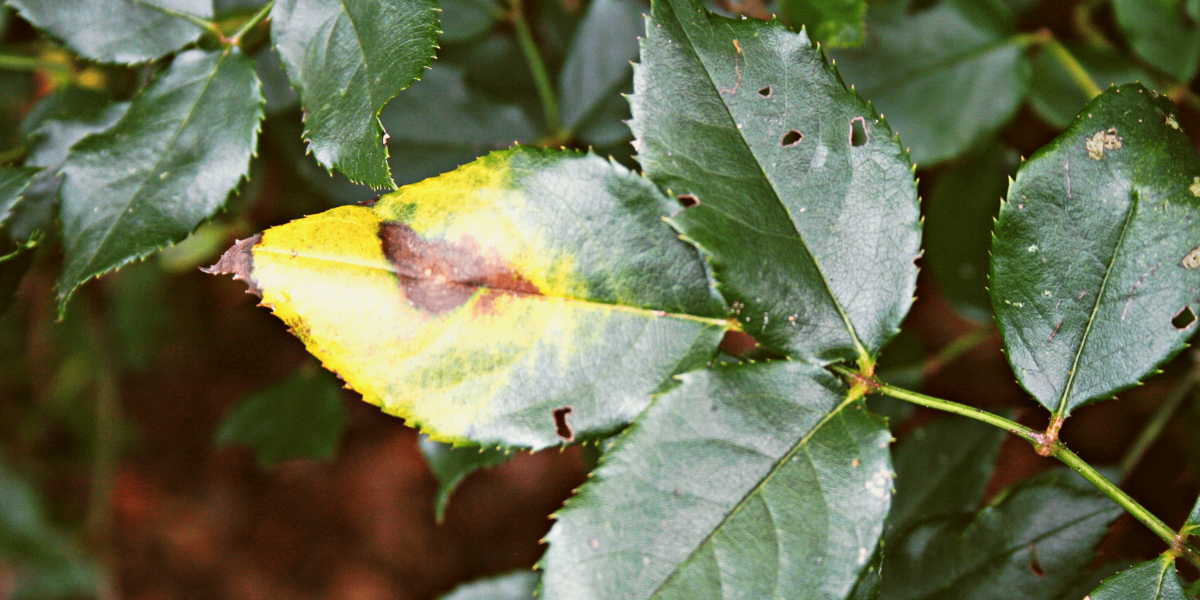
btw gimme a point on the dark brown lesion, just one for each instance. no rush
(437, 276)
(239, 262)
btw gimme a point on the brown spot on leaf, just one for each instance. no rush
(437, 276)
(238, 261)
(369, 203)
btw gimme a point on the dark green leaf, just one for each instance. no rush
(166, 166)
(277, 89)
(451, 465)
(1031, 542)
(347, 58)
(1163, 33)
(942, 469)
(762, 478)
(139, 313)
(870, 581)
(299, 417)
(607, 128)
(597, 66)
(463, 20)
(834, 23)
(745, 120)
(1094, 259)
(518, 585)
(1151, 580)
(13, 181)
(1193, 521)
(958, 220)
(117, 31)
(15, 261)
(946, 76)
(1057, 98)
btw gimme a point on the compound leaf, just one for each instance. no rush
(526, 299)
(347, 58)
(1031, 543)
(13, 181)
(299, 417)
(170, 163)
(451, 466)
(1094, 260)
(781, 165)
(946, 76)
(756, 480)
(1151, 580)
(598, 63)
(1163, 33)
(834, 23)
(118, 31)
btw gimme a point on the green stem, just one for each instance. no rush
(1083, 24)
(206, 25)
(254, 20)
(957, 348)
(14, 62)
(537, 67)
(1158, 422)
(1078, 74)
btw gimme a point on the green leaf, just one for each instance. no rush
(299, 417)
(117, 31)
(170, 163)
(1031, 542)
(13, 181)
(745, 120)
(277, 89)
(464, 20)
(1094, 257)
(946, 76)
(518, 585)
(1193, 521)
(14, 263)
(527, 299)
(942, 468)
(768, 479)
(834, 23)
(347, 58)
(29, 540)
(1163, 33)
(451, 466)
(1151, 580)
(598, 63)
(1057, 98)
(959, 214)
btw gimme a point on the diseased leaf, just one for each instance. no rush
(1031, 543)
(946, 76)
(833, 23)
(299, 417)
(451, 466)
(117, 31)
(347, 58)
(757, 480)
(781, 165)
(1057, 98)
(526, 299)
(942, 469)
(959, 214)
(1163, 33)
(170, 163)
(518, 585)
(1151, 580)
(598, 63)
(13, 181)
(1093, 275)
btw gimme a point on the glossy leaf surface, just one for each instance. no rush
(597, 66)
(834, 23)
(518, 585)
(526, 299)
(170, 163)
(1094, 262)
(946, 76)
(13, 181)
(451, 466)
(1050, 523)
(299, 417)
(746, 122)
(1151, 580)
(347, 59)
(1163, 33)
(749, 481)
(117, 31)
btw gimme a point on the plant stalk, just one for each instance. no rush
(960, 346)
(536, 66)
(1078, 74)
(13, 62)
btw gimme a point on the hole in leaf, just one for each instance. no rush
(791, 138)
(561, 426)
(765, 92)
(1035, 562)
(1184, 318)
(688, 200)
(858, 132)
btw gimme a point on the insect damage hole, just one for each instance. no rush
(791, 138)
(561, 426)
(1184, 318)
(858, 132)
(688, 200)
(765, 92)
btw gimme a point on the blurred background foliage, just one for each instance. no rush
(168, 439)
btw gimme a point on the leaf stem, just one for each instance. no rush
(1083, 24)
(15, 62)
(204, 24)
(1159, 420)
(536, 66)
(1078, 74)
(262, 13)
(961, 345)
